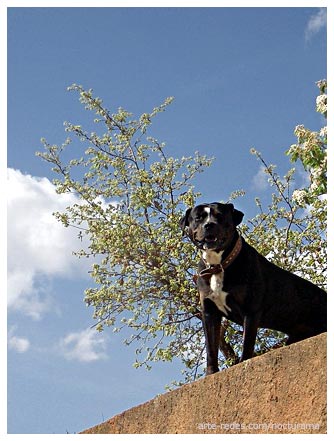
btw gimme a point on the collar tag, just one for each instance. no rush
(206, 273)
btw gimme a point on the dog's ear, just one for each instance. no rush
(237, 216)
(184, 222)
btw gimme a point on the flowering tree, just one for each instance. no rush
(311, 150)
(294, 225)
(132, 195)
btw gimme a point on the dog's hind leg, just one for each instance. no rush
(301, 332)
(249, 335)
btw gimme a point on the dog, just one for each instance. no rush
(237, 282)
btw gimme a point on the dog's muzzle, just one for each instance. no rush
(208, 237)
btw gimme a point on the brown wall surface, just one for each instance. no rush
(282, 391)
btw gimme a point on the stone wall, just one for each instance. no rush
(283, 391)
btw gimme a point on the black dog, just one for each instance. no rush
(235, 281)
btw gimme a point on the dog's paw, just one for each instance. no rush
(211, 370)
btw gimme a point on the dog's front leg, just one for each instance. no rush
(249, 335)
(211, 324)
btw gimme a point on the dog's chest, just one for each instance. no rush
(216, 293)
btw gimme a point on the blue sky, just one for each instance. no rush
(241, 78)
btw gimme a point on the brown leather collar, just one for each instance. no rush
(206, 273)
(233, 254)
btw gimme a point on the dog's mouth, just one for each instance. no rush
(210, 241)
(210, 238)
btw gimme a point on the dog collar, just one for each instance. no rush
(206, 273)
(233, 254)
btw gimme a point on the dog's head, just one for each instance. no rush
(211, 226)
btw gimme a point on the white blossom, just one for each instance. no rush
(299, 197)
(322, 103)
(323, 132)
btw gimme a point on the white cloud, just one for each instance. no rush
(39, 247)
(84, 346)
(18, 344)
(260, 180)
(316, 22)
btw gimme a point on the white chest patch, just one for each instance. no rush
(217, 295)
(212, 257)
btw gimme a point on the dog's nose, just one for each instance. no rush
(209, 226)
